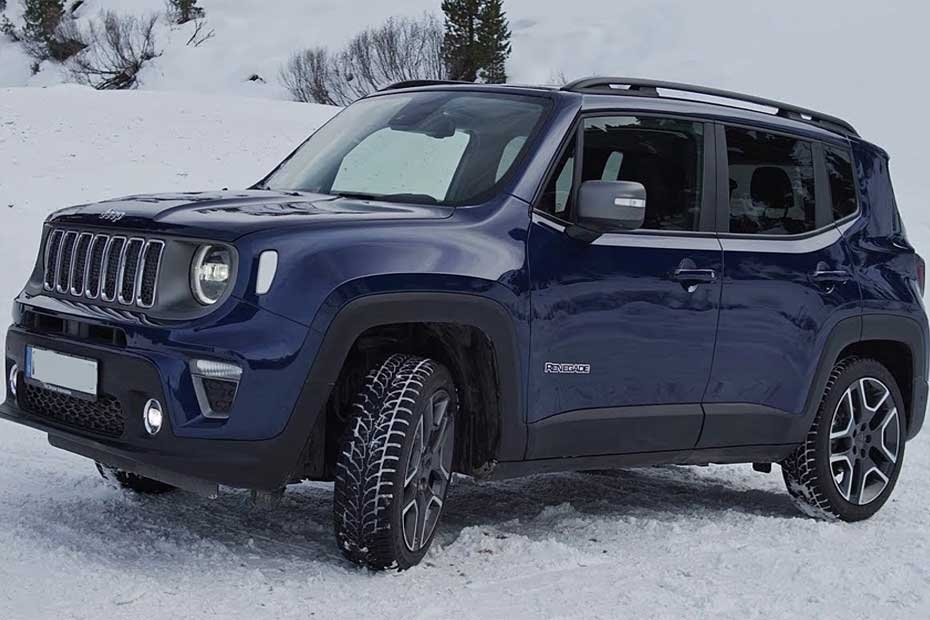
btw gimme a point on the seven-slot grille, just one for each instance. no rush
(112, 268)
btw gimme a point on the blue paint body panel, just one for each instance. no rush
(753, 340)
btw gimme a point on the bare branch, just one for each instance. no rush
(201, 34)
(119, 46)
(401, 49)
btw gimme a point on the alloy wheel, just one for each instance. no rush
(428, 471)
(865, 440)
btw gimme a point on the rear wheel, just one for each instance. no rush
(395, 466)
(851, 459)
(133, 482)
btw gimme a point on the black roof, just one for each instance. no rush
(644, 88)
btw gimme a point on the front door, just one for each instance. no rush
(623, 328)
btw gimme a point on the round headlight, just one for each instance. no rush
(210, 273)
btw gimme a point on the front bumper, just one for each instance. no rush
(262, 446)
(196, 465)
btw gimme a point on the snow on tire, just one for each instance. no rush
(394, 468)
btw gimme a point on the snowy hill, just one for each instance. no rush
(860, 60)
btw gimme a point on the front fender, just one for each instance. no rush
(475, 249)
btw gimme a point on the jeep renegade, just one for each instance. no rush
(495, 281)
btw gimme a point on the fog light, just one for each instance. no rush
(14, 375)
(152, 417)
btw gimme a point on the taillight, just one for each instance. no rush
(921, 274)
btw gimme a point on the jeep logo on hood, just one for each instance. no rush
(112, 215)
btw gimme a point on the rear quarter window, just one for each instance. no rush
(842, 182)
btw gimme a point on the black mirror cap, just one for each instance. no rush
(611, 205)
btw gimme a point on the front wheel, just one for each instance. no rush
(849, 463)
(395, 465)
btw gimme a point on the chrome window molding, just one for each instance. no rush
(848, 222)
(794, 244)
(685, 240)
(787, 245)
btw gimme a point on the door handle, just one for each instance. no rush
(823, 275)
(694, 276)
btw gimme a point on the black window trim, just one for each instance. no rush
(823, 199)
(847, 149)
(706, 220)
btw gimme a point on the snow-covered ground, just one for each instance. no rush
(716, 542)
(675, 542)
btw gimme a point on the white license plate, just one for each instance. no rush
(75, 376)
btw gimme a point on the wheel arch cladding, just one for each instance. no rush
(443, 315)
(897, 342)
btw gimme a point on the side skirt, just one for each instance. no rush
(736, 454)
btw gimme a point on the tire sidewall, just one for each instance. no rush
(438, 379)
(844, 509)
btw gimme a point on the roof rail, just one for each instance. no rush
(649, 88)
(416, 83)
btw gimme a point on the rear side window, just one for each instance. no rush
(771, 183)
(842, 183)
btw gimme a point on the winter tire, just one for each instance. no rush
(394, 469)
(849, 463)
(133, 482)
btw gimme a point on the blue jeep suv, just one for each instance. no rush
(495, 281)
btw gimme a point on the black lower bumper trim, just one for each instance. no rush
(194, 485)
(198, 465)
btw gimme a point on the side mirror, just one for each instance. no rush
(606, 206)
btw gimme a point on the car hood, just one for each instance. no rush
(226, 216)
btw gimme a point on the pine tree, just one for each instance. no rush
(183, 11)
(460, 43)
(494, 41)
(476, 43)
(41, 19)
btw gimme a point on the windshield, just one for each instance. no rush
(428, 147)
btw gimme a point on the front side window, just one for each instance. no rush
(665, 155)
(771, 183)
(437, 147)
(842, 186)
(559, 191)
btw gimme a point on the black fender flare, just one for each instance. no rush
(913, 335)
(485, 314)
(850, 331)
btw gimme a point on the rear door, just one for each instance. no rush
(623, 328)
(787, 281)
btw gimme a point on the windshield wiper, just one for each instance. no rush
(411, 198)
(359, 195)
